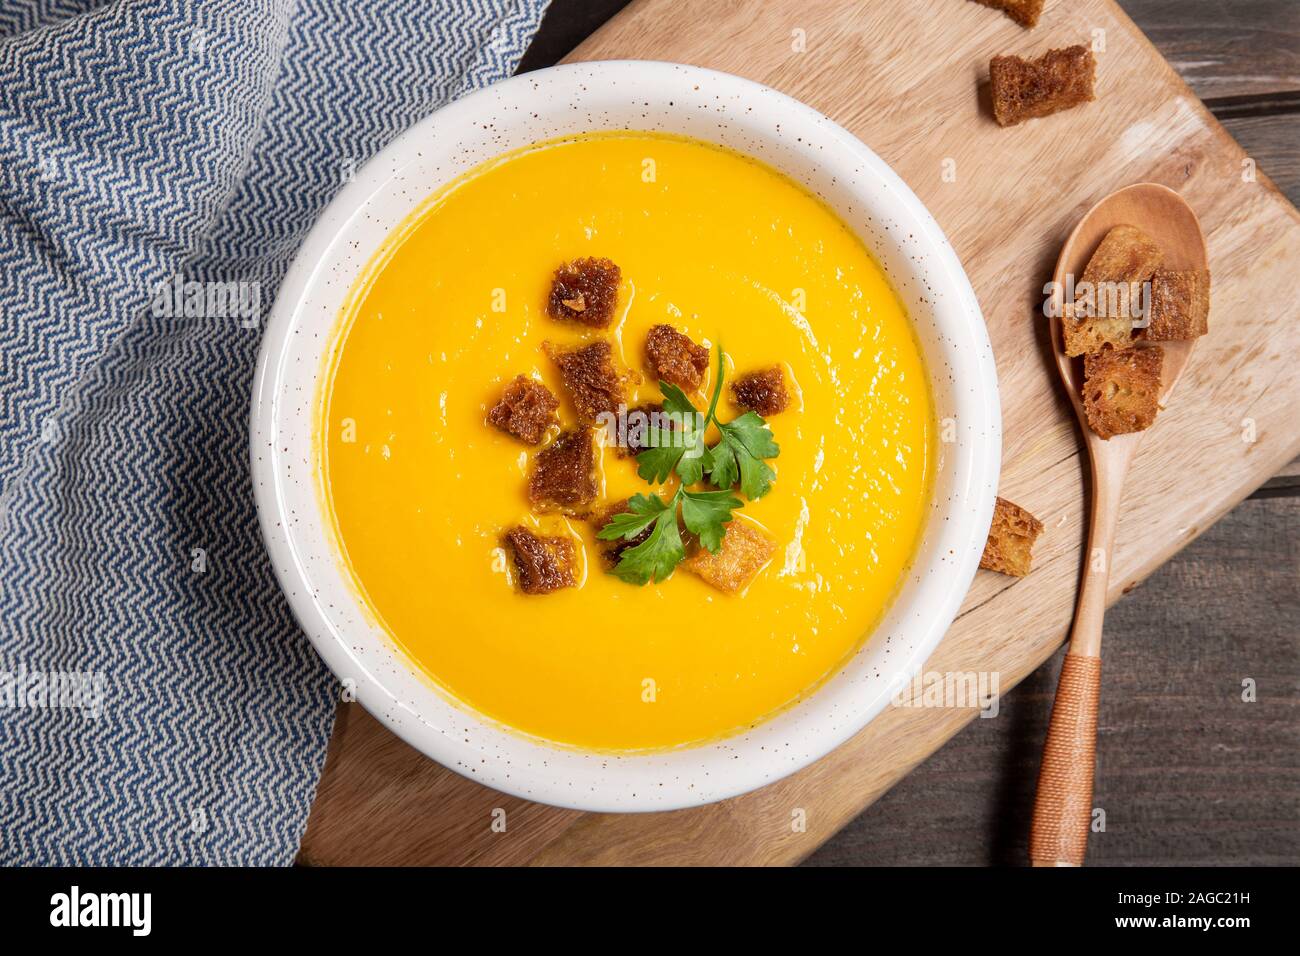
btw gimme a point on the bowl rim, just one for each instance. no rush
(980, 477)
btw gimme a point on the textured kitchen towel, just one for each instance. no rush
(157, 702)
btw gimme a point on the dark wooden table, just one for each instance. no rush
(1189, 771)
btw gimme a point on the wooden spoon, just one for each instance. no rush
(1063, 807)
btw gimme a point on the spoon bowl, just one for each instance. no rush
(1164, 216)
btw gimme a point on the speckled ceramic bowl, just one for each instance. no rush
(710, 106)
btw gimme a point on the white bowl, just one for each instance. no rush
(710, 106)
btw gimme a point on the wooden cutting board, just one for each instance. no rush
(905, 76)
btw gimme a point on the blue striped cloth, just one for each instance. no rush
(158, 705)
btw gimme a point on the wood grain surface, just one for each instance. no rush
(1225, 48)
(901, 74)
(1187, 771)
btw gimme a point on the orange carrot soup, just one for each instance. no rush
(423, 488)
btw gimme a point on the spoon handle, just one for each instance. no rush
(1063, 805)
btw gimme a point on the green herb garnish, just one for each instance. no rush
(739, 455)
(705, 513)
(745, 442)
(667, 448)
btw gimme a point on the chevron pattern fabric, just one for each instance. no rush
(142, 140)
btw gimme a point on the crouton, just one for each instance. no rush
(611, 551)
(763, 391)
(542, 565)
(1121, 389)
(1180, 306)
(1024, 12)
(745, 551)
(1126, 257)
(526, 410)
(641, 421)
(1087, 333)
(1028, 89)
(1011, 538)
(674, 358)
(590, 378)
(585, 291)
(564, 474)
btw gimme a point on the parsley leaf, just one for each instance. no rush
(725, 471)
(756, 476)
(747, 440)
(643, 511)
(694, 462)
(706, 514)
(656, 556)
(657, 462)
(752, 432)
(680, 445)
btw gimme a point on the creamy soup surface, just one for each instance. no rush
(724, 249)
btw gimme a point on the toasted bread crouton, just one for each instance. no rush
(1126, 254)
(590, 378)
(641, 422)
(564, 474)
(526, 410)
(1180, 306)
(1027, 89)
(542, 565)
(585, 291)
(1121, 389)
(611, 551)
(1024, 12)
(1011, 538)
(1086, 335)
(745, 551)
(674, 358)
(1126, 258)
(763, 391)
